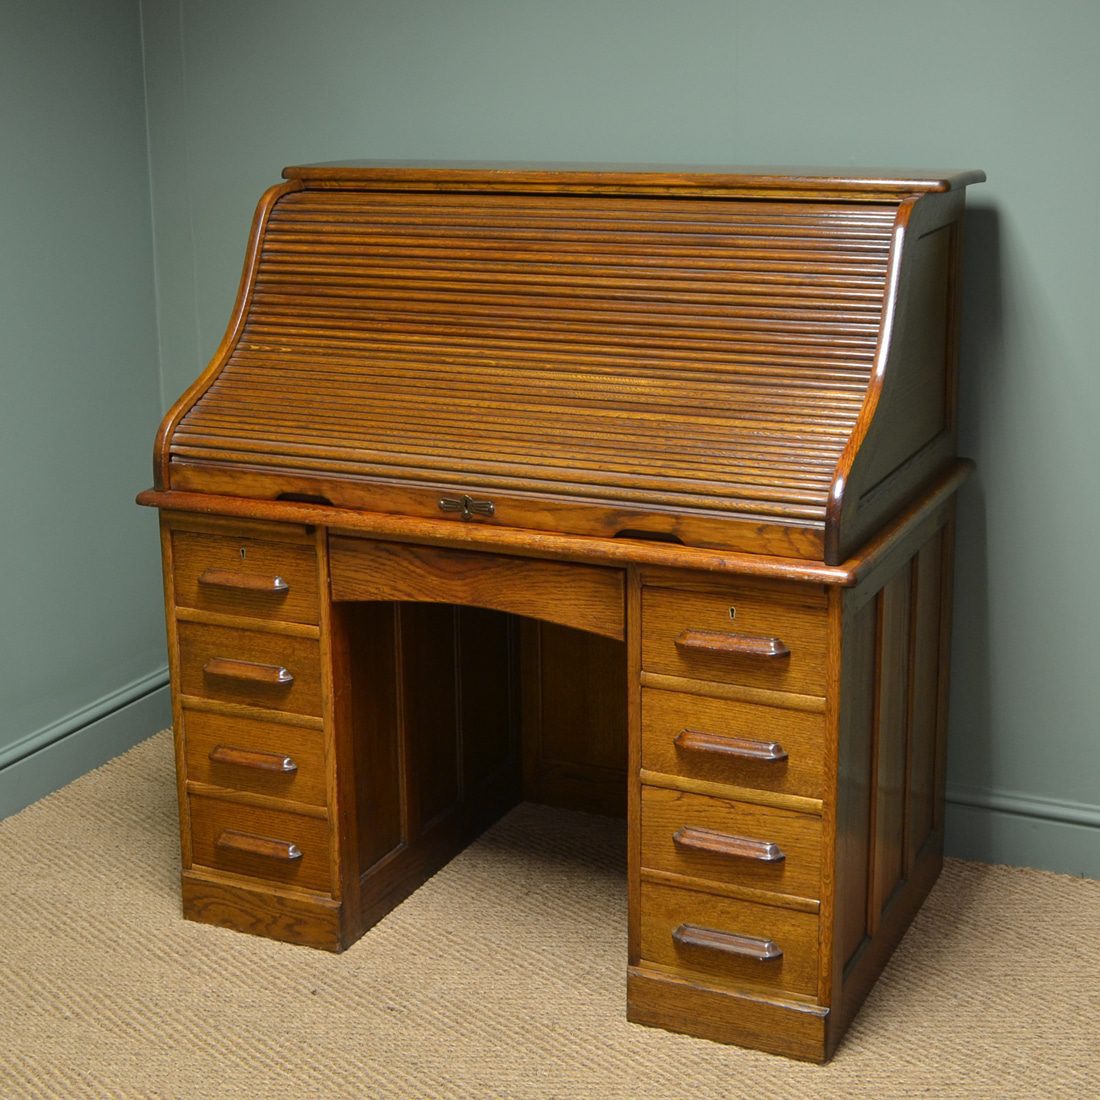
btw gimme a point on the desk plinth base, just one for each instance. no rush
(790, 1028)
(269, 912)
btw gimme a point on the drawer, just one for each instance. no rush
(245, 576)
(255, 667)
(738, 942)
(731, 842)
(726, 741)
(289, 849)
(244, 754)
(765, 636)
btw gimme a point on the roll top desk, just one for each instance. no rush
(628, 490)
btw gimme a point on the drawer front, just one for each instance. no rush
(260, 757)
(725, 741)
(285, 848)
(245, 576)
(254, 667)
(729, 941)
(761, 637)
(731, 842)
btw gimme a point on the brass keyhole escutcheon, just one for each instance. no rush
(733, 612)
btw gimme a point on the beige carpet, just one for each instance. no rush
(502, 977)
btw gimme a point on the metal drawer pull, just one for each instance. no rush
(249, 758)
(729, 943)
(723, 844)
(244, 582)
(736, 645)
(248, 670)
(769, 752)
(249, 844)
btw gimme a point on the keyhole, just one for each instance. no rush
(242, 553)
(733, 610)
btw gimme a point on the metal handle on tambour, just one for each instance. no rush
(266, 847)
(231, 669)
(743, 748)
(244, 582)
(251, 758)
(729, 943)
(724, 844)
(735, 645)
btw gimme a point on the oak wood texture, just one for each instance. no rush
(254, 667)
(262, 910)
(664, 909)
(225, 751)
(585, 597)
(238, 576)
(204, 508)
(261, 843)
(729, 635)
(752, 846)
(574, 718)
(589, 358)
(769, 1022)
(613, 178)
(622, 488)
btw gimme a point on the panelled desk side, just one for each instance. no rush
(785, 810)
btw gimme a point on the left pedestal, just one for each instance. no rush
(253, 719)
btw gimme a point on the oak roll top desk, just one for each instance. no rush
(623, 489)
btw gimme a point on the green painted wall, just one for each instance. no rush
(82, 663)
(1012, 87)
(235, 91)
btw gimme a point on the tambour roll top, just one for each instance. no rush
(732, 359)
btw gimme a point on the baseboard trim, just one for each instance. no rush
(1023, 831)
(58, 753)
(1047, 809)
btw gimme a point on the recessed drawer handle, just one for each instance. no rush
(723, 844)
(244, 582)
(737, 645)
(729, 943)
(249, 758)
(248, 670)
(770, 752)
(249, 844)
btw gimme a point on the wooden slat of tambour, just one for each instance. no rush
(576, 283)
(370, 322)
(332, 279)
(489, 481)
(700, 316)
(725, 439)
(467, 363)
(705, 354)
(588, 414)
(431, 471)
(754, 442)
(691, 453)
(491, 218)
(766, 366)
(584, 401)
(713, 258)
(652, 386)
(623, 476)
(579, 268)
(642, 437)
(282, 306)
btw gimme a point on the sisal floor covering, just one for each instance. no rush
(502, 977)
